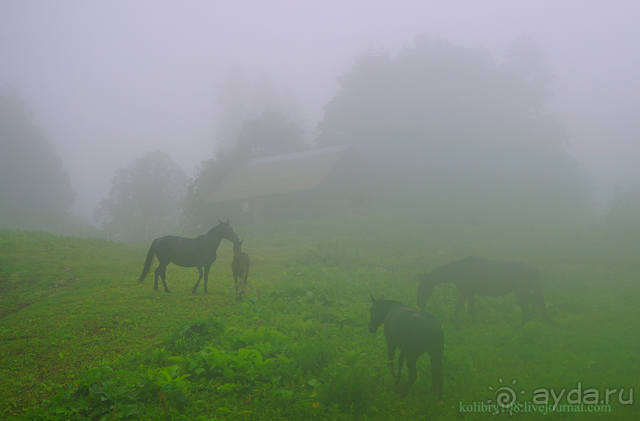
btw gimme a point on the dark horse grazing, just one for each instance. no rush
(240, 269)
(476, 276)
(199, 252)
(414, 333)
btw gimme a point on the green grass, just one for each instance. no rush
(81, 338)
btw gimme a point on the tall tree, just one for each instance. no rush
(35, 190)
(457, 131)
(270, 133)
(145, 199)
(242, 98)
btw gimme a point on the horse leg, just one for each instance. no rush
(163, 276)
(193, 290)
(400, 364)
(411, 366)
(235, 284)
(155, 277)
(206, 275)
(244, 281)
(160, 272)
(391, 351)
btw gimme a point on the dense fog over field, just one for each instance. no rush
(249, 209)
(109, 82)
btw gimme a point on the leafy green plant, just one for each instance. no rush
(193, 336)
(349, 388)
(312, 356)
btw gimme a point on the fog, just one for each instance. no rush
(287, 170)
(111, 81)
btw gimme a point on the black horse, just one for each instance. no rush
(240, 269)
(414, 333)
(199, 252)
(476, 276)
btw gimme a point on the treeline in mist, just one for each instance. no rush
(35, 189)
(437, 131)
(457, 134)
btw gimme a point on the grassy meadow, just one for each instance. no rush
(80, 338)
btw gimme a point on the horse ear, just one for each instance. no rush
(373, 300)
(241, 241)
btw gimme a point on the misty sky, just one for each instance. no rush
(109, 81)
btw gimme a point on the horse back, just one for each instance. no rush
(489, 277)
(184, 251)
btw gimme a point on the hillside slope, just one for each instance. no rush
(77, 330)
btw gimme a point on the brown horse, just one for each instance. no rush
(240, 269)
(199, 252)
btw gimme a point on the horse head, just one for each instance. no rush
(224, 230)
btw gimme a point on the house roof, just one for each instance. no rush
(279, 174)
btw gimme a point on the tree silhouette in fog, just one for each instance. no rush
(457, 131)
(35, 190)
(270, 133)
(145, 199)
(242, 98)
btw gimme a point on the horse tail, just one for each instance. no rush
(147, 262)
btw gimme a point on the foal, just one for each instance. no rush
(240, 269)
(414, 333)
